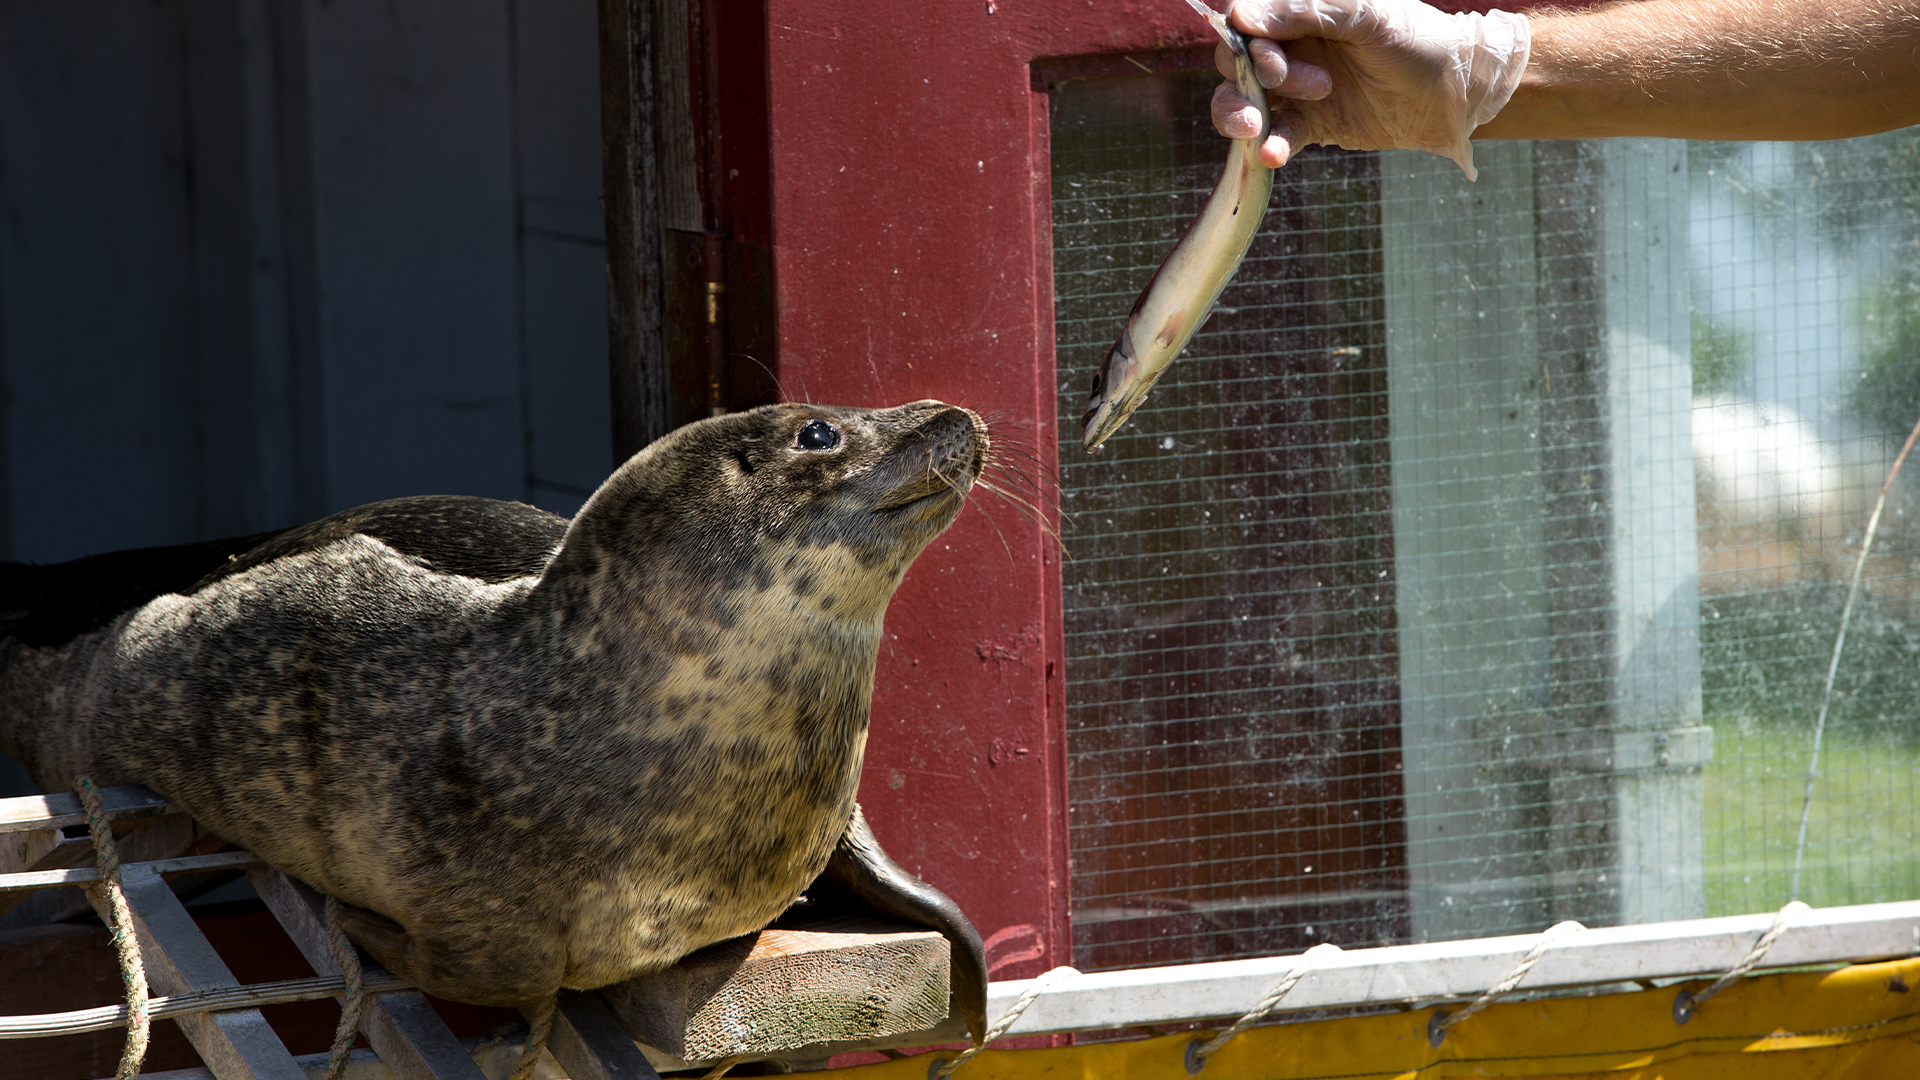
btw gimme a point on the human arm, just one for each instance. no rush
(1718, 69)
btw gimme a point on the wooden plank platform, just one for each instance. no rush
(237, 1045)
(30, 813)
(792, 994)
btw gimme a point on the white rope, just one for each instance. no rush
(1688, 1003)
(1833, 663)
(1027, 997)
(126, 940)
(1197, 1054)
(348, 958)
(1442, 1020)
(539, 1025)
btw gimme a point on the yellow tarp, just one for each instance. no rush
(1862, 1021)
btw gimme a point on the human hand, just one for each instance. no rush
(1371, 75)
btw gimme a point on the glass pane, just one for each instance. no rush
(1481, 562)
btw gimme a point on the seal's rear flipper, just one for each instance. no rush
(861, 872)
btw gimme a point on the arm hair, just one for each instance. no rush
(1718, 69)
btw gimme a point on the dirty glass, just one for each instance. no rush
(1479, 565)
(1806, 379)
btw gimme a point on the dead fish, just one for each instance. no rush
(1183, 291)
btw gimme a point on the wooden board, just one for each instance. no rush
(1454, 970)
(782, 990)
(62, 808)
(237, 1045)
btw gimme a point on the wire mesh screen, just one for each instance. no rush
(1233, 731)
(1479, 564)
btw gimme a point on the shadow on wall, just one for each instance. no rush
(266, 260)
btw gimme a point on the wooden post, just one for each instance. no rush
(647, 156)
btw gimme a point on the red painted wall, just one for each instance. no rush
(911, 239)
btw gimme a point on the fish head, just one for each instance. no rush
(1119, 386)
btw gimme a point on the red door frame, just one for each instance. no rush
(910, 226)
(883, 175)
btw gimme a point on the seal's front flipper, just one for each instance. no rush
(861, 871)
(463, 962)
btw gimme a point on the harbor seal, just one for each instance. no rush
(528, 753)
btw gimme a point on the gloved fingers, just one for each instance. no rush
(1234, 116)
(1288, 20)
(1289, 128)
(1286, 74)
(1223, 60)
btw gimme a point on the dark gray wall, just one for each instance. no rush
(261, 260)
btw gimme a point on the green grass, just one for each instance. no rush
(1861, 834)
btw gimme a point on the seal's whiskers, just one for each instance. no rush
(1032, 474)
(966, 495)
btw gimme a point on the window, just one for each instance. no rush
(1480, 564)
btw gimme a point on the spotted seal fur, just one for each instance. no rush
(528, 753)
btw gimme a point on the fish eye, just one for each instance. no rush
(818, 435)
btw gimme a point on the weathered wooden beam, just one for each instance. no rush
(782, 990)
(629, 107)
(1453, 970)
(235, 1045)
(63, 808)
(401, 1025)
(588, 1042)
(85, 875)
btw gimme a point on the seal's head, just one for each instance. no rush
(835, 502)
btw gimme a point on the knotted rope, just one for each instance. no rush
(943, 1068)
(350, 1010)
(539, 1025)
(1197, 1052)
(126, 942)
(1442, 1020)
(1687, 1003)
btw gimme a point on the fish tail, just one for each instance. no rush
(1221, 26)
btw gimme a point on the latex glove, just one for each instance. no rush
(1372, 75)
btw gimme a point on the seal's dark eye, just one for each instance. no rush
(819, 435)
